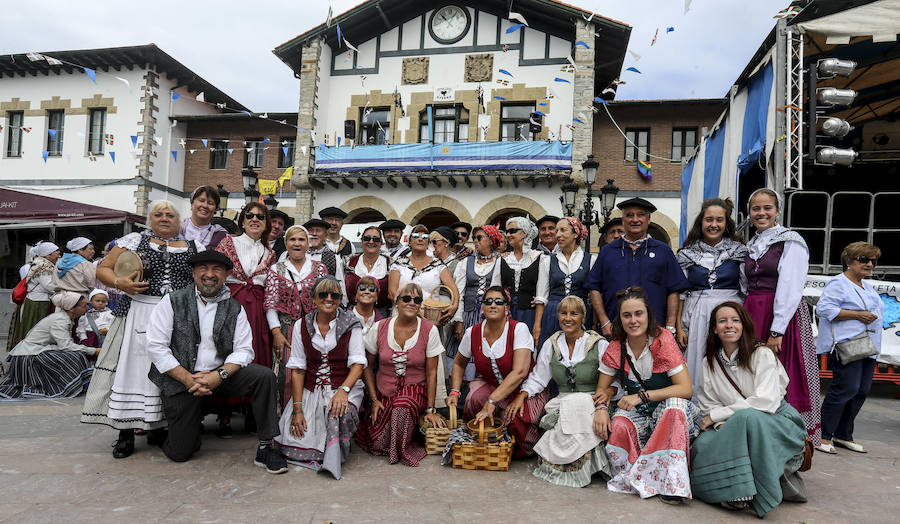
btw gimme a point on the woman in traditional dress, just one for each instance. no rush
(422, 269)
(199, 227)
(848, 308)
(47, 363)
(776, 268)
(252, 258)
(442, 240)
(503, 352)
(405, 349)
(121, 396)
(569, 454)
(371, 263)
(713, 262)
(519, 269)
(75, 271)
(39, 284)
(367, 293)
(562, 273)
(654, 422)
(752, 443)
(326, 363)
(288, 298)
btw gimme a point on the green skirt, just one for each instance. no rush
(26, 316)
(747, 456)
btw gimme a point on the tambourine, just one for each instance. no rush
(127, 263)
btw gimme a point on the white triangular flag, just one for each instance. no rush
(174, 123)
(571, 61)
(351, 46)
(200, 97)
(635, 55)
(120, 79)
(53, 61)
(158, 140)
(192, 151)
(264, 115)
(517, 17)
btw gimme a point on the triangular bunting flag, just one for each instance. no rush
(514, 28)
(112, 156)
(91, 74)
(204, 141)
(133, 141)
(517, 17)
(175, 155)
(230, 150)
(175, 96)
(200, 97)
(284, 150)
(52, 133)
(45, 154)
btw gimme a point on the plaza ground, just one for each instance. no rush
(55, 469)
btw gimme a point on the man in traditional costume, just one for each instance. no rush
(335, 242)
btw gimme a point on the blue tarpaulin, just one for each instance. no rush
(753, 139)
(712, 167)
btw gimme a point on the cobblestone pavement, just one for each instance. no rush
(54, 469)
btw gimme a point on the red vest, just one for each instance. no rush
(337, 359)
(387, 379)
(352, 281)
(483, 363)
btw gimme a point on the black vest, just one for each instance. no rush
(527, 282)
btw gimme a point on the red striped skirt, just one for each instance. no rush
(393, 433)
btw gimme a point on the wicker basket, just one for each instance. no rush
(436, 438)
(432, 308)
(481, 454)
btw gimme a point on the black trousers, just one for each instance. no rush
(184, 411)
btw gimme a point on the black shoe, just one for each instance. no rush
(157, 437)
(271, 459)
(671, 499)
(224, 431)
(123, 447)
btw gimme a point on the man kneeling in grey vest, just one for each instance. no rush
(200, 343)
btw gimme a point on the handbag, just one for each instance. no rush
(858, 347)
(20, 292)
(808, 447)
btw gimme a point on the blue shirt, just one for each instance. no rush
(652, 266)
(840, 293)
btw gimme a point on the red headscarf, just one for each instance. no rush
(494, 234)
(581, 232)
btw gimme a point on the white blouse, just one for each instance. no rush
(643, 364)
(40, 287)
(517, 265)
(367, 322)
(459, 276)
(568, 267)
(540, 375)
(250, 254)
(323, 344)
(378, 271)
(103, 319)
(764, 387)
(427, 280)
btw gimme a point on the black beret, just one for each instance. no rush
(612, 222)
(317, 222)
(466, 225)
(547, 218)
(448, 234)
(636, 202)
(392, 224)
(210, 256)
(333, 212)
(277, 213)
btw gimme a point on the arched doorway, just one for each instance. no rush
(432, 218)
(658, 233)
(366, 215)
(499, 218)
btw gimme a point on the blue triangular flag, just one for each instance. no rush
(558, 79)
(91, 74)
(539, 113)
(175, 96)
(230, 150)
(266, 140)
(543, 104)
(580, 43)
(505, 72)
(112, 156)
(45, 154)
(670, 29)
(634, 69)
(580, 121)
(284, 150)
(204, 141)
(499, 97)
(339, 141)
(52, 133)
(133, 141)
(340, 36)
(601, 101)
(175, 155)
(514, 28)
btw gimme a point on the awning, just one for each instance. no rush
(29, 210)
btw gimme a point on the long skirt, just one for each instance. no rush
(25, 317)
(393, 433)
(570, 456)
(49, 374)
(747, 457)
(252, 297)
(550, 319)
(120, 395)
(649, 455)
(798, 354)
(526, 315)
(695, 321)
(326, 443)
(524, 428)
(282, 374)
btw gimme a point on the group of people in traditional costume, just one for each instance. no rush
(679, 375)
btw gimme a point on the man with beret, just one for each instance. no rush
(200, 344)
(335, 242)
(459, 248)
(392, 230)
(280, 222)
(547, 234)
(611, 231)
(636, 259)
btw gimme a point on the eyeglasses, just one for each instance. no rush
(367, 238)
(512, 230)
(259, 216)
(865, 260)
(479, 238)
(416, 236)
(408, 298)
(494, 301)
(365, 287)
(335, 295)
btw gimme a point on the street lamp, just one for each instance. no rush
(608, 199)
(223, 200)
(589, 169)
(270, 202)
(249, 178)
(567, 199)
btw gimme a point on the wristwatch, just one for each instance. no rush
(430, 410)
(671, 329)
(345, 388)
(775, 334)
(223, 373)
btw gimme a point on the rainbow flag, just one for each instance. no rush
(645, 169)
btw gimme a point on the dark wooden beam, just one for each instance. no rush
(499, 181)
(332, 183)
(391, 181)
(483, 181)
(436, 180)
(317, 184)
(515, 181)
(347, 182)
(377, 182)
(421, 181)
(406, 181)
(467, 180)
(362, 181)
(452, 181)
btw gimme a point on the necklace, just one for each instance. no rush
(481, 257)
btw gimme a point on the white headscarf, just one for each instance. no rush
(77, 243)
(43, 249)
(65, 300)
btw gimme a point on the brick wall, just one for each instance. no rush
(197, 171)
(660, 118)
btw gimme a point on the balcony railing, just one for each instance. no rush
(473, 156)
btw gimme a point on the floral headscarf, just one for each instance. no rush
(581, 232)
(494, 234)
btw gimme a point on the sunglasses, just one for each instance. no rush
(479, 238)
(335, 295)
(512, 230)
(368, 287)
(367, 238)
(408, 298)
(462, 234)
(865, 260)
(258, 216)
(436, 241)
(416, 236)
(494, 301)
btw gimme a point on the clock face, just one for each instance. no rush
(449, 24)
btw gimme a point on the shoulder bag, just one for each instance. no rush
(858, 347)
